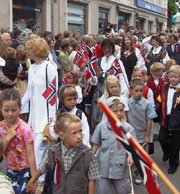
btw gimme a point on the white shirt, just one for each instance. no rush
(36, 87)
(170, 96)
(85, 128)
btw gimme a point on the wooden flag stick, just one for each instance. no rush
(131, 180)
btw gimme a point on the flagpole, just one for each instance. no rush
(153, 165)
(131, 180)
(133, 141)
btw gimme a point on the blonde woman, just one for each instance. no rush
(40, 75)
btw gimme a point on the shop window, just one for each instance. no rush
(22, 11)
(76, 19)
(103, 20)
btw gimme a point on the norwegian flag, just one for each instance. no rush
(164, 53)
(79, 57)
(83, 47)
(50, 93)
(116, 68)
(148, 175)
(141, 159)
(93, 65)
(65, 80)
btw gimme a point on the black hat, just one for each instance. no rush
(31, 22)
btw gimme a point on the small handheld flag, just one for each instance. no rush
(50, 93)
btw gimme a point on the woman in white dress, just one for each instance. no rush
(41, 74)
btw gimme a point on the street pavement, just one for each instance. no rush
(174, 178)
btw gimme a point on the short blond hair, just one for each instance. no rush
(109, 79)
(174, 69)
(38, 46)
(156, 67)
(142, 71)
(63, 120)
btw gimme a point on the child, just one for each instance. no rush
(75, 162)
(141, 74)
(168, 64)
(73, 78)
(5, 184)
(112, 156)
(68, 100)
(112, 88)
(25, 63)
(140, 115)
(11, 67)
(169, 134)
(18, 141)
(155, 80)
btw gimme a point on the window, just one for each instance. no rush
(103, 20)
(76, 19)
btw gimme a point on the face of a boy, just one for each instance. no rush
(72, 137)
(118, 110)
(174, 78)
(113, 88)
(70, 102)
(137, 92)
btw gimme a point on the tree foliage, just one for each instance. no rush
(172, 10)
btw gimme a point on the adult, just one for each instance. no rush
(41, 74)
(156, 53)
(130, 56)
(15, 38)
(63, 58)
(107, 65)
(5, 39)
(30, 28)
(173, 48)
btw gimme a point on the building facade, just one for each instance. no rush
(84, 16)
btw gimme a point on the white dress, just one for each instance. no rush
(38, 114)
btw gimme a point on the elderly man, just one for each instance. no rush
(5, 39)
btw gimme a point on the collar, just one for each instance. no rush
(71, 151)
(133, 101)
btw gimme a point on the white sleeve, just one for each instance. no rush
(79, 92)
(124, 83)
(150, 96)
(140, 60)
(53, 134)
(85, 130)
(52, 73)
(146, 41)
(166, 58)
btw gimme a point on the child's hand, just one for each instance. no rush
(31, 187)
(178, 100)
(129, 161)
(10, 134)
(146, 140)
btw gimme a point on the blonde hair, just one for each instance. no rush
(38, 46)
(169, 63)
(156, 67)
(109, 79)
(174, 69)
(63, 120)
(143, 73)
(10, 53)
(75, 77)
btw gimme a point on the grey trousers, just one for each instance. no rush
(113, 186)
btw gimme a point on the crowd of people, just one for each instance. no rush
(68, 146)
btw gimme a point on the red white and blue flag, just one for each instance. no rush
(79, 57)
(93, 64)
(50, 93)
